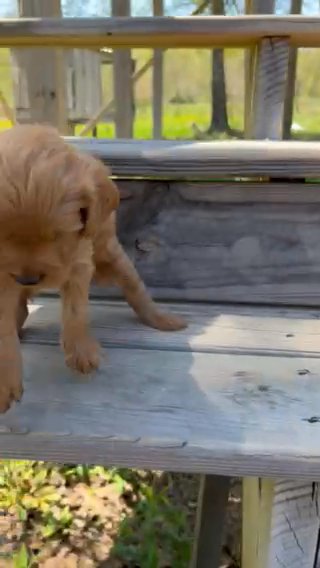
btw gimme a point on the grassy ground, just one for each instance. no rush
(78, 516)
(177, 122)
(187, 76)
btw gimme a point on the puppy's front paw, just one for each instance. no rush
(166, 322)
(82, 355)
(11, 389)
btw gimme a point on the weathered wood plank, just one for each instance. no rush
(122, 79)
(229, 244)
(213, 499)
(269, 88)
(178, 410)
(231, 193)
(281, 520)
(157, 80)
(242, 330)
(296, 8)
(44, 71)
(202, 160)
(257, 495)
(257, 7)
(215, 31)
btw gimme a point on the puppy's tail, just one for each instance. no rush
(122, 272)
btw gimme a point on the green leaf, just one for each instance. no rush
(22, 513)
(49, 530)
(40, 476)
(21, 558)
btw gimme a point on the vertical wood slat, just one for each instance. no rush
(269, 89)
(296, 7)
(252, 7)
(157, 80)
(122, 79)
(212, 502)
(45, 71)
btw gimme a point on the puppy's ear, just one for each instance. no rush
(104, 199)
(90, 191)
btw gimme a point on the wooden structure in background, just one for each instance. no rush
(109, 106)
(122, 80)
(238, 392)
(42, 74)
(296, 8)
(153, 33)
(51, 85)
(83, 85)
(157, 80)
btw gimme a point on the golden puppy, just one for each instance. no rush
(58, 230)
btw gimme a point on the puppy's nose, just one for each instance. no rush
(27, 279)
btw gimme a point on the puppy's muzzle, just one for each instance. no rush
(27, 280)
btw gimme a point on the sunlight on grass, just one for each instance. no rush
(125, 515)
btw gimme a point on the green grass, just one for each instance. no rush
(132, 517)
(177, 122)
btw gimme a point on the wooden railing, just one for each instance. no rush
(188, 32)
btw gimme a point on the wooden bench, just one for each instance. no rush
(238, 392)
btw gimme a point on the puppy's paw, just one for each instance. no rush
(82, 355)
(11, 389)
(166, 322)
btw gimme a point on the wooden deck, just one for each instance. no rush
(237, 393)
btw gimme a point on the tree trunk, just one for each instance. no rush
(219, 114)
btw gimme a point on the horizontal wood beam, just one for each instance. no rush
(163, 32)
(204, 160)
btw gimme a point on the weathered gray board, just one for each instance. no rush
(237, 393)
(179, 160)
(235, 243)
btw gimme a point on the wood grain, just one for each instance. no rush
(257, 7)
(269, 88)
(202, 160)
(241, 330)
(44, 72)
(281, 523)
(157, 80)
(233, 243)
(214, 31)
(296, 8)
(122, 84)
(171, 409)
(257, 502)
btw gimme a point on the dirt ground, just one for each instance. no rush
(111, 524)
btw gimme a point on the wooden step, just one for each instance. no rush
(235, 394)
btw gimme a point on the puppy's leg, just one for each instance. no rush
(114, 266)
(81, 350)
(10, 353)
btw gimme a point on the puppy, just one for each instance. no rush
(58, 230)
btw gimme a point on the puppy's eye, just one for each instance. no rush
(83, 216)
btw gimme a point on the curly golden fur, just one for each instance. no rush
(58, 230)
